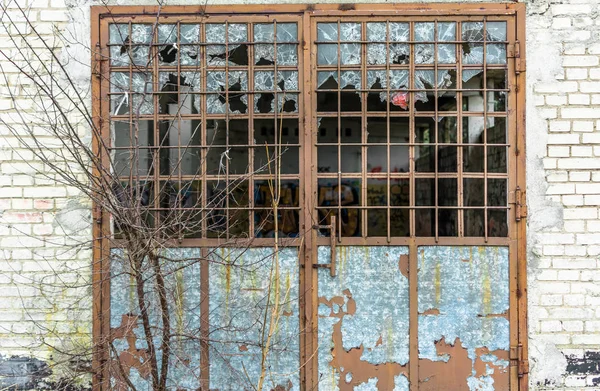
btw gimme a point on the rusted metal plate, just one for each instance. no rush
(364, 319)
(182, 280)
(463, 303)
(242, 297)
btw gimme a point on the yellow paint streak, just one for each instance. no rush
(179, 311)
(438, 281)
(486, 285)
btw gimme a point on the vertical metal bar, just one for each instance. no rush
(459, 132)
(332, 269)
(251, 149)
(363, 213)
(413, 363)
(411, 132)
(178, 214)
(485, 149)
(204, 320)
(203, 124)
(435, 133)
(388, 131)
(339, 127)
(227, 109)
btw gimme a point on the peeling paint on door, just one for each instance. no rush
(364, 319)
(463, 305)
(242, 292)
(181, 268)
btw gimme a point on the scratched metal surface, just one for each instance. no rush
(463, 303)
(364, 319)
(182, 279)
(239, 289)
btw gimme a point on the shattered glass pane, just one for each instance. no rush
(468, 74)
(351, 80)
(287, 80)
(118, 33)
(167, 54)
(350, 53)
(472, 53)
(264, 32)
(287, 54)
(237, 32)
(215, 104)
(263, 54)
(446, 31)
(189, 33)
(376, 32)
(190, 55)
(424, 79)
(329, 77)
(350, 32)
(167, 33)
(287, 103)
(327, 32)
(238, 103)
(376, 53)
(399, 53)
(327, 54)
(495, 53)
(215, 81)
(264, 103)
(214, 33)
(263, 81)
(191, 79)
(238, 80)
(446, 53)
(496, 31)
(398, 79)
(215, 55)
(376, 79)
(121, 56)
(141, 33)
(446, 79)
(399, 32)
(141, 90)
(424, 53)
(424, 31)
(472, 31)
(287, 32)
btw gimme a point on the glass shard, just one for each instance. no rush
(237, 32)
(214, 33)
(167, 33)
(351, 80)
(327, 32)
(327, 54)
(399, 53)
(376, 54)
(287, 54)
(376, 32)
(118, 33)
(424, 54)
(141, 33)
(472, 53)
(398, 79)
(189, 33)
(264, 81)
(424, 31)
(287, 80)
(446, 31)
(264, 32)
(350, 32)
(350, 53)
(399, 32)
(446, 53)
(496, 31)
(287, 32)
(327, 80)
(472, 31)
(264, 54)
(495, 53)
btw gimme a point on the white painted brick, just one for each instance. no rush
(561, 151)
(570, 9)
(587, 188)
(565, 275)
(563, 138)
(583, 112)
(577, 163)
(556, 100)
(580, 213)
(594, 73)
(579, 176)
(579, 99)
(553, 250)
(592, 326)
(556, 87)
(591, 238)
(549, 326)
(591, 200)
(551, 300)
(586, 339)
(592, 138)
(579, 61)
(560, 126)
(582, 151)
(576, 73)
(547, 275)
(572, 200)
(593, 225)
(561, 23)
(583, 126)
(558, 176)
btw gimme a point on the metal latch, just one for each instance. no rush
(517, 359)
(332, 230)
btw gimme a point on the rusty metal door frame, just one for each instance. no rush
(514, 13)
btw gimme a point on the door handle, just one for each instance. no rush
(333, 236)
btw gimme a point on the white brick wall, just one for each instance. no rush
(564, 272)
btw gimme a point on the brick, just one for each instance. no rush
(579, 61)
(554, 151)
(561, 23)
(562, 138)
(570, 9)
(579, 99)
(583, 126)
(579, 176)
(576, 73)
(583, 112)
(560, 126)
(556, 87)
(578, 163)
(587, 188)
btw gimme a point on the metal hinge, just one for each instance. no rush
(517, 359)
(517, 198)
(97, 65)
(514, 51)
(97, 215)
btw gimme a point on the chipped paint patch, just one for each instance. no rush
(363, 320)
(181, 268)
(463, 304)
(239, 296)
